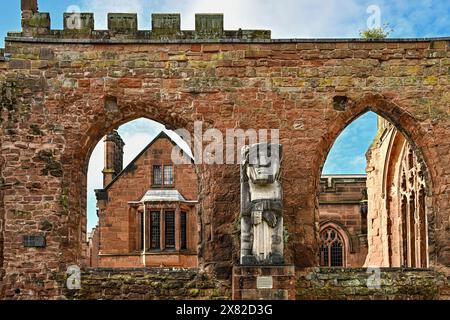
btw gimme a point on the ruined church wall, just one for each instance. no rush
(148, 284)
(310, 284)
(377, 216)
(372, 284)
(59, 114)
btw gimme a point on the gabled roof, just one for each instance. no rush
(131, 165)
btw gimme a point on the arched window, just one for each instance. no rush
(413, 226)
(332, 248)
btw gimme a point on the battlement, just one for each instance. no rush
(121, 26)
(4, 57)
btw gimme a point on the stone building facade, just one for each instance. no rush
(147, 214)
(63, 90)
(343, 221)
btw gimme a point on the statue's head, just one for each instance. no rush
(263, 162)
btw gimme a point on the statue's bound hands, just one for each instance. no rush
(270, 218)
(256, 217)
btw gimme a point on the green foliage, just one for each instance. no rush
(377, 33)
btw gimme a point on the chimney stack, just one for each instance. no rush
(29, 5)
(113, 157)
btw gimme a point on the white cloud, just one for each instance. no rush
(286, 18)
(358, 161)
(290, 18)
(101, 8)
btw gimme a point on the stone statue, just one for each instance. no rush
(261, 205)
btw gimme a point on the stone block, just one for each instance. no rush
(78, 22)
(125, 23)
(256, 34)
(209, 26)
(36, 23)
(166, 25)
(29, 5)
(264, 282)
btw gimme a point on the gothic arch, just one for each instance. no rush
(109, 113)
(377, 103)
(341, 234)
(402, 120)
(393, 179)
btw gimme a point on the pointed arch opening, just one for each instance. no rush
(381, 193)
(141, 202)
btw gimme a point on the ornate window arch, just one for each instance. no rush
(334, 246)
(413, 226)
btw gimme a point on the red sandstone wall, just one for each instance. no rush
(340, 204)
(60, 90)
(385, 228)
(117, 221)
(349, 217)
(93, 248)
(3, 68)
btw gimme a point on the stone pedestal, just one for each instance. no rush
(264, 283)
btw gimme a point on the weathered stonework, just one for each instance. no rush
(124, 27)
(363, 284)
(248, 283)
(60, 86)
(147, 284)
(401, 218)
(342, 201)
(78, 24)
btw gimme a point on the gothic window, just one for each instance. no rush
(404, 235)
(422, 229)
(413, 228)
(332, 248)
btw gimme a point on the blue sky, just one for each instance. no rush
(347, 156)
(286, 19)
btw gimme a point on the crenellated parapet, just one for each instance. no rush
(165, 26)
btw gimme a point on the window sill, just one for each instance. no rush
(169, 252)
(160, 186)
(150, 253)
